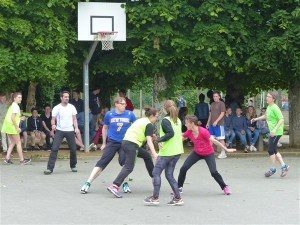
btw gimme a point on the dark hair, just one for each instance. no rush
(47, 105)
(2, 94)
(33, 109)
(123, 91)
(201, 97)
(192, 119)
(77, 91)
(172, 110)
(149, 111)
(64, 92)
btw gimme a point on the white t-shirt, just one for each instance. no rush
(15, 108)
(64, 117)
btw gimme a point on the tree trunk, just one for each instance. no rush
(294, 114)
(31, 101)
(234, 94)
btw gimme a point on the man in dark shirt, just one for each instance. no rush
(46, 121)
(34, 128)
(77, 102)
(95, 108)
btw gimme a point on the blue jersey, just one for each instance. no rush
(118, 124)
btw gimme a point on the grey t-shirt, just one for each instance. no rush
(3, 110)
(216, 109)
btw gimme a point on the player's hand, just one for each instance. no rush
(53, 127)
(252, 120)
(215, 123)
(230, 150)
(77, 131)
(154, 137)
(102, 147)
(207, 126)
(155, 155)
(19, 130)
(272, 134)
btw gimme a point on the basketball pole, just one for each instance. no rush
(86, 95)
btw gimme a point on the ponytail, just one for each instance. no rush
(172, 110)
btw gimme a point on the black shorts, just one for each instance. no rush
(273, 141)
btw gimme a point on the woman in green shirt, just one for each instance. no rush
(11, 128)
(275, 123)
(171, 147)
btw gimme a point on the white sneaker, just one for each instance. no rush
(92, 147)
(252, 148)
(279, 144)
(81, 149)
(247, 147)
(222, 155)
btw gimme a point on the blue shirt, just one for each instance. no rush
(118, 124)
(239, 123)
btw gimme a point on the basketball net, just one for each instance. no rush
(107, 39)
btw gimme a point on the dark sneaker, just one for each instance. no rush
(74, 169)
(125, 188)
(84, 189)
(8, 161)
(114, 189)
(48, 172)
(25, 161)
(176, 201)
(151, 201)
(284, 170)
(270, 172)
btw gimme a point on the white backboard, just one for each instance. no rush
(94, 17)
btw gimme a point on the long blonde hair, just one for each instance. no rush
(172, 110)
(250, 116)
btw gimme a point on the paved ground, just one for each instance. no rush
(29, 197)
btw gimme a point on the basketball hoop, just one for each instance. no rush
(107, 39)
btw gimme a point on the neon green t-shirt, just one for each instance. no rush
(173, 146)
(273, 115)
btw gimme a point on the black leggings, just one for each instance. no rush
(211, 163)
(273, 141)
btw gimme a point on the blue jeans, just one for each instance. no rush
(242, 138)
(229, 137)
(252, 136)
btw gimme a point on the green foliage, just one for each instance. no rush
(34, 40)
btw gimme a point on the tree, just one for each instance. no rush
(34, 39)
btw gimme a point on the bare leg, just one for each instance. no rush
(279, 159)
(94, 174)
(32, 134)
(10, 146)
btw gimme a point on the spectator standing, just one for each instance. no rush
(181, 102)
(95, 110)
(23, 132)
(215, 122)
(202, 111)
(129, 105)
(3, 110)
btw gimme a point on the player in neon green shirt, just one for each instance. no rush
(11, 128)
(275, 123)
(171, 147)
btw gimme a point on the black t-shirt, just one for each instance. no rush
(79, 105)
(149, 130)
(46, 120)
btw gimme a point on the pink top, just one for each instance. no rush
(202, 145)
